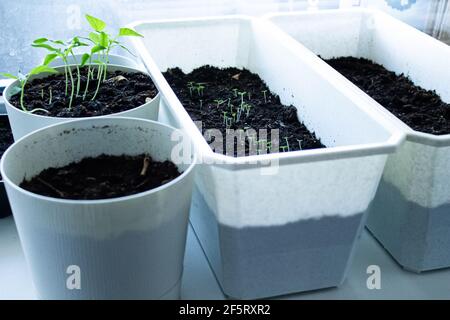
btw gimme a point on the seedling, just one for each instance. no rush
(242, 96)
(287, 142)
(219, 102)
(265, 97)
(190, 87)
(235, 91)
(50, 95)
(300, 144)
(225, 117)
(249, 96)
(201, 104)
(23, 79)
(200, 88)
(101, 45)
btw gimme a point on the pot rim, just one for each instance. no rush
(178, 179)
(6, 95)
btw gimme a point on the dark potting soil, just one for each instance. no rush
(120, 91)
(103, 177)
(217, 107)
(6, 137)
(422, 110)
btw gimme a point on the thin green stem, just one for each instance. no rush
(22, 93)
(99, 77)
(78, 75)
(72, 89)
(88, 78)
(65, 74)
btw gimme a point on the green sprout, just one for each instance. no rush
(102, 43)
(225, 117)
(190, 87)
(201, 104)
(235, 91)
(50, 95)
(300, 144)
(242, 96)
(23, 80)
(219, 102)
(265, 97)
(200, 88)
(249, 96)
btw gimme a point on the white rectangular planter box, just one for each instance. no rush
(267, 235)
(411, 212)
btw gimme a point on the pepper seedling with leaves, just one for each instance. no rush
(99, 44)
(23, 80)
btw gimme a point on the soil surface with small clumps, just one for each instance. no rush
(121, 91)
(421, 109)
(6, 137)
(102, 177)
(237, 99)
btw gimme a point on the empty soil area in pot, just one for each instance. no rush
(421, 109)
(6, 137)
(237, 99)
(102, 177)
(121, 91)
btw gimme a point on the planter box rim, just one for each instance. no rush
(98, 122)
(411, 134)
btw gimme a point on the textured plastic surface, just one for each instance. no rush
(130, 247)
(23, 123)
(411, 212)
(295, 230)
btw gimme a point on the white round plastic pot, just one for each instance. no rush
(23, 122)
(113, 60)
(123, 248)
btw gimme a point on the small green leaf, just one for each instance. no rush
(45, 46)
(40, 40)
(84, 59)
(42, 69)
(104, 39)
(127, 32)
(96, 24)
(97, 48)
(49, 58)
(94, 37)
(8, 75)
